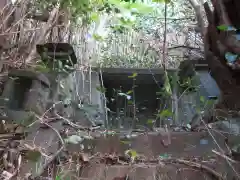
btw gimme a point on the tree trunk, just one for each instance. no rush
(217, 43)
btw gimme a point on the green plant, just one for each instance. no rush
(188, 85)
(133, 77)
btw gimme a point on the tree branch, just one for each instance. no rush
(46, 28)
(197, 8)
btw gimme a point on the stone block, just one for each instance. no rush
(26, 90)
(37, 97)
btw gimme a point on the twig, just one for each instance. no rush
(105, 100)
(16, 32)
(165, 37)
(215, 141)
(52, 158)
(55, 131)
(200, 166)
(76, 125)
(197, 8)
(46, 28)
(43, 115)
(10, 135)
(224, 156)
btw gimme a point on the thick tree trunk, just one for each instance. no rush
(217, 43)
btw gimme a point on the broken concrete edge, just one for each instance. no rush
(109, 143)
(30, 74)
(200, 65)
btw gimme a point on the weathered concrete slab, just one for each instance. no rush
(189, 146)
(30, 74)
(37, 98)
(186, 144)
(47, 140)
(138, 172)
(27, 91)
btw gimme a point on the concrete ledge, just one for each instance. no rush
(200, 65)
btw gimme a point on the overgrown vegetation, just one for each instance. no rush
(104, 33)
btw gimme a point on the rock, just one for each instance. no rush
(26, 90)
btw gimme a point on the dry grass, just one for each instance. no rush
(20, 34)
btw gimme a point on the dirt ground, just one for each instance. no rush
(187, 155)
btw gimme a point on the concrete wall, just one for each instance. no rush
(189, 103)
(86, 88)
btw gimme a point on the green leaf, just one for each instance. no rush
(33, 155)
(42, 68)
(164, 156)
(133, 75)
(222, 27)
(122, 94)
(168, 88)
(58, 178)
(226, 28)
(202, 99)
(130, 102)
(210, 103)
(101, 89)
(97, 37)
(198, 110)
(141, 8)
(150, 121)
(162, 1)
(160, 93)
(94, 17)
(125, 142)
(165, 113)
(109, 132)
(132, 153)
(130, 92)
(60, 65)
(167, 85)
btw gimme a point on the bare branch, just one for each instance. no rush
(47, 27)
(197, 8)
